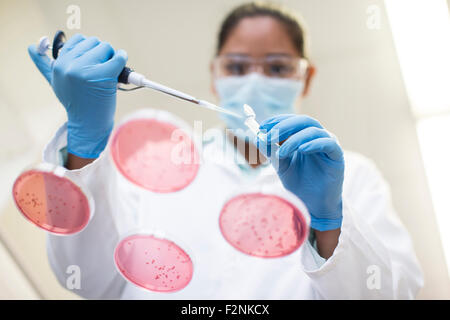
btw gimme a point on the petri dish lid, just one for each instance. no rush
(155, 154)
(51, 201)
(153, 262)
(263, 225)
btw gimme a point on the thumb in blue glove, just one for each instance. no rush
(310, 164)
(84, 78)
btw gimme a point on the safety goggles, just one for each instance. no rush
(274, 66)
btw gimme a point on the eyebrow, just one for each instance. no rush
(239, 55)
(279, 54)
(271, 55)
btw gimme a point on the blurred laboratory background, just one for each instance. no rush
(382, 87)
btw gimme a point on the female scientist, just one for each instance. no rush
(357, 246)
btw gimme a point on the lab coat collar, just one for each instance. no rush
(218, 149)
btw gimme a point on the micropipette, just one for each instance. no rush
(140, 81)
(129, 76)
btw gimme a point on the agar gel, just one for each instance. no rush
(262, 225)
(52, 203)
(145, 153)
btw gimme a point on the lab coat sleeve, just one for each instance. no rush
(374, 258)
(88, 254)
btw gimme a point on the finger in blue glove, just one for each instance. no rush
(310, 164)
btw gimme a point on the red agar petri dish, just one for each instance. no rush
(153, 263)
(262, 225)
(145, 153)
(51, 202)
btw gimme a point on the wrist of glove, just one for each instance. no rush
(87, 144)
(325, 224)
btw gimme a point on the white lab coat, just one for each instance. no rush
(374, 258)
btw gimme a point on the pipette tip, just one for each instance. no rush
(217, 108)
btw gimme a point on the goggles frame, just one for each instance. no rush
(242, 65)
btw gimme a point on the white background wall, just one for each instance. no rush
(358, 94)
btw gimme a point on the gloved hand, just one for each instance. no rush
(84, 78)
(310, 164)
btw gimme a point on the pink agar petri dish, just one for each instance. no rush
(52, 203)
(153, 263)
(145, 153)
(262, 225)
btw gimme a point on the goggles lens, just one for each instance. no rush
(275, 67)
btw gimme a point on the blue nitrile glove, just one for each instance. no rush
(84, 78)
(310, 164)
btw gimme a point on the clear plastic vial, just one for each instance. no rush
(251, 122)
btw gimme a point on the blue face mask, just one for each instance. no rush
(267, 96)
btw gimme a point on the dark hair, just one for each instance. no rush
(257, 9)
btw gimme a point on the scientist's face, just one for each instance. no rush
(260, 37)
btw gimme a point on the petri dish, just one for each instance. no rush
(153, 263)
(147, 153)
(51, 202)
(263, 225)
